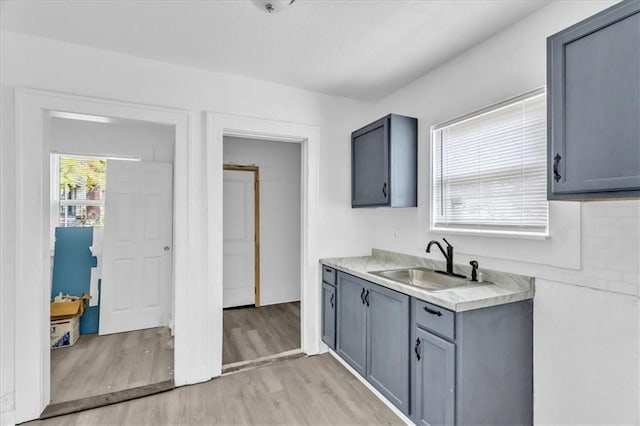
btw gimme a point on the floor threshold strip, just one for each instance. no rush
(239, 366)
(68, 407)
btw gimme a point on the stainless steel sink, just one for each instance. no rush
(425, 278)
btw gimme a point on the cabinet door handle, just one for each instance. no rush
(384, 190)
(432, 312)
(362, 295)
(556, 163)
(331, 299)
(416, 349)
(366, 297)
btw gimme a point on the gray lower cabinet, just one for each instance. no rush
(472, 367)
(329, 315)
(434, 375)
(329, 306)
(352, 322)
(387, 344)
(593, 83)
(373, 336)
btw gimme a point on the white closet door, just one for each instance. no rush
(239, 239)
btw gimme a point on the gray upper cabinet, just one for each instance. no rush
(373, 336)
(593, 83)
(384, 163)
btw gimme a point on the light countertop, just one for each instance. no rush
(498, 287)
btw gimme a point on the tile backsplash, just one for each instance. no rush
(611, 246)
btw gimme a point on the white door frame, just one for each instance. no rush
(217, 127)
(32, 250)
(255, 170)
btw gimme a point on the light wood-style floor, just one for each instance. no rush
(97, 365)
(304, 391)
(251, 333)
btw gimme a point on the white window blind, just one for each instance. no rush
(489, 169)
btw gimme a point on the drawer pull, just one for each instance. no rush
(416, 349)
(432, 312)
(556, 163)
(328, 270)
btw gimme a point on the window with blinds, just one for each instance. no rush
(489, 169)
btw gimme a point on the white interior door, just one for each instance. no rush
(239, 239)
(137, 260)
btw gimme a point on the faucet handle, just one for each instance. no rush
(474, 270)
(448, 244)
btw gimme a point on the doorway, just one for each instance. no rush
(197, 256)
(111, 238)
(241, 233)
(32, 252)
(262, 244)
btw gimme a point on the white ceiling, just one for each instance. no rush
(362, 49)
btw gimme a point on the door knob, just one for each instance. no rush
(166, 248)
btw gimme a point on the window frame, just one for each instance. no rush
(56, 202)
(488, 232)
(54, 190)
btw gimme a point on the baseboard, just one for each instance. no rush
(381, 397)
(8, 418)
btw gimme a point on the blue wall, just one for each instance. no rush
(72, 263)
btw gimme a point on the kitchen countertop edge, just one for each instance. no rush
(457, 300)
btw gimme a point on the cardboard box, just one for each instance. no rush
(68, 306)
(64, 332)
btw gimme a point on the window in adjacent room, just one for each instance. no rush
(489, 170)
(79, 185)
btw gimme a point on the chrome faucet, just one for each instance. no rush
(448, 255)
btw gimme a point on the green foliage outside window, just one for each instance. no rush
(82, 179)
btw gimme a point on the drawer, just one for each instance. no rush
(435, 318)
(328, 275)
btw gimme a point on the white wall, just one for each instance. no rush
(39, 63)
(577, 379)
(121, 138)
(279, 164)
(586, 314)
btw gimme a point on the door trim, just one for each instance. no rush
(256, 218)
(32, 265)
(217, 126)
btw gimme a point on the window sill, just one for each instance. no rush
(491, 233)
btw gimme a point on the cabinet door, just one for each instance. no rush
(370, 165)
(434, 375)
(329, 315)
(351, 345)
(594, 105)
(388, 344)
